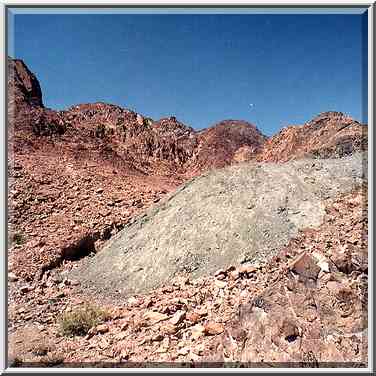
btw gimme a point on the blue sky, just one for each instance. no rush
(200, 68)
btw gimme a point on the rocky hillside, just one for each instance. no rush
(173, 237)
(77, 176)
(158, 147)
(330, 134)
(223, 144)
(306, 307)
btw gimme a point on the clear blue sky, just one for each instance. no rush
(200, 68)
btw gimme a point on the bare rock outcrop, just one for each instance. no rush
(221, 144)
(330, 134)
(23, 86)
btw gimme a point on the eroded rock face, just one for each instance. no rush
(194, 231)
(221, 144)
(328, 135)
(164, 147)
(23, 86)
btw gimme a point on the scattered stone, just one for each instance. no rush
(322, 262)
(101, 329)
(234, 274)
(178, 317)
(213, 328)
(12, 277)
(247, 269)
(157, 337)
(133, 301)
(155, 317)
(305, 266)
(169, 329)
(289, 330)
(219, 272)
(183, 351)
(198, 331)
(25, 289)
(193, 317)
(220, 284)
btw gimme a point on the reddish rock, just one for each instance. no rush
(305, 266)
(330, 134)
(65, 160)
(193, 317)
(154, 317)
(213, 328)
(169, 329)
(178, 317)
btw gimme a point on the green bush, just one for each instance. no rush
(18, 238)
(100, 131)
(15, 362)
(147, 122)
(81, 320)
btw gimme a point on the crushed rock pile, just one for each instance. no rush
(243, 213)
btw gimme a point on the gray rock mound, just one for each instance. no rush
(242, 213)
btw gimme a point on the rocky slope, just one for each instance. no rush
(306, 307)
(192, 231)
(23, 86)
(330, 134)
(222, 144)
(77, 176)
(167, 146)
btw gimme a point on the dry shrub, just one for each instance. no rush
(79, 321)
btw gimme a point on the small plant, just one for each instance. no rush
(147, 122)
(52, 359)
(15, 362)
(119, 121)
(100, 131)
(41, 349)
(81, 320)
(18, 238)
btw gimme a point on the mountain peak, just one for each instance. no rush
(23, 84)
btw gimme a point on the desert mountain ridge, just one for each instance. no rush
(168, 146)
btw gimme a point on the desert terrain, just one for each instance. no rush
(140, 242)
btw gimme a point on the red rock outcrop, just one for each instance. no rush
(23, 86)
(221, 144)
(330, 134)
